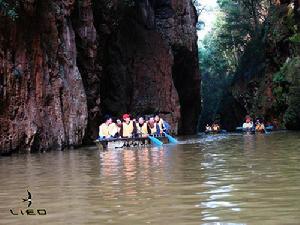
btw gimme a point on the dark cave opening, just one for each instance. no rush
(184, 69)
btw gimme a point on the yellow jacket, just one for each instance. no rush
(103, 130)
(153, 129)
(113, 129)
(127, 129)
(142, 130)
(108, 130)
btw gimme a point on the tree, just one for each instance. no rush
(9, 9)
(238, 24)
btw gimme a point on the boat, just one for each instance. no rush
(215, 132)
(268, 129)
(114, 143)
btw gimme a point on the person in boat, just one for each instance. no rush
(152, 128)
(113, 130)
(104, 131)
(128, 128)
(119, 125)
(215, 127)
(142, 127)
(208, 129)
(248, 125)
(160, 128)
(260, 127)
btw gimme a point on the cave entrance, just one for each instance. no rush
(184, 70)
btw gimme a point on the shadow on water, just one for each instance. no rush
(218, 179)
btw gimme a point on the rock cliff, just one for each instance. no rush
(65, 63)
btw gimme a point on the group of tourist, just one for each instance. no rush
(249, 125)
(215, 128)
(132, 127)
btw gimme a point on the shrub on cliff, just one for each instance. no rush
(9, 9)
(286, 92)
(280, 91)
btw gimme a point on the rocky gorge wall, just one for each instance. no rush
(64, 64)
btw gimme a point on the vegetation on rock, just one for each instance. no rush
(255, 46)
(9, 9)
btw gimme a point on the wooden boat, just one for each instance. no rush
(113, 143)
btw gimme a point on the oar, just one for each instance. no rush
(239, 128)
(170, 138)
(155, 140)
(269, 128)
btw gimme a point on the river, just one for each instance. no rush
(222, 179)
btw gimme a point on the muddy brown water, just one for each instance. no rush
(221, 179)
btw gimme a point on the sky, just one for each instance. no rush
(207, 16)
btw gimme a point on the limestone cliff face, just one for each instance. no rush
(66, 63)
(267, 83)
(43, 102)
(148, 56)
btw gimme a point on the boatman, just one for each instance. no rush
(141, 128)
(128, 128)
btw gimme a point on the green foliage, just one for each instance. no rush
(289, 20)
(129, 3)
(238, 23)
(290, 116)
(279, 78)
(281, 86)
(9, 9)
(295, 38)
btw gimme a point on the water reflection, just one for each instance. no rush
(228, 179)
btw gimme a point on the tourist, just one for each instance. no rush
(215, 127)
(159, 124)
(104, 128)
(259, 127)
(128, 128)
(113, 130)
(208, 128)
(248, 125)
(142, 128)
(152, 128)
(119, 125)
